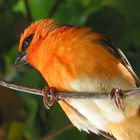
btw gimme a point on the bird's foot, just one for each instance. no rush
(116, 94)
(49, 96)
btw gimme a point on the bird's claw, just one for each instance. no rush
(116, 94)
(49, 96)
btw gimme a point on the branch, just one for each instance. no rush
(21, 88)
(29, 15)
(57, 132)
(66, 95)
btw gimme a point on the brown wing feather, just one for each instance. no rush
(119, 54)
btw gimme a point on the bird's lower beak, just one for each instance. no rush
(20, 60)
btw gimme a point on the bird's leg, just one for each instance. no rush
(116, 94)
(49, 96)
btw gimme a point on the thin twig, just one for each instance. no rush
(29, 15)
(57, 132)
(21, 88)
(66, 94)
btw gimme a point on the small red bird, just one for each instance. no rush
(78, 59)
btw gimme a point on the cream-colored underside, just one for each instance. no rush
(100, 112)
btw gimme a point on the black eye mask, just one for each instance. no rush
(27, 41)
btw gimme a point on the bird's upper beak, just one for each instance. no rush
(21, 59)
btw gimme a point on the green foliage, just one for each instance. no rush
(120, 20)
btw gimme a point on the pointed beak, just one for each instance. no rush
(20, 60)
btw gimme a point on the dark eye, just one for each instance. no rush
(27, 41)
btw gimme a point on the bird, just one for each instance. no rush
(78, 59)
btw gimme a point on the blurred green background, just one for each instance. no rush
(22, 116)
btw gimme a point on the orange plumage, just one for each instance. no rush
(77, 59)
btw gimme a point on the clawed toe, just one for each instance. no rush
(49, 96)
(116, 94)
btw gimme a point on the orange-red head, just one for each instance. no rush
(33, 36)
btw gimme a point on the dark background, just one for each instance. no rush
(23, 116)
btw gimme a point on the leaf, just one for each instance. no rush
(41, 8)
(78, 11)
(130, 9)
(19, 7)
(16, 131)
